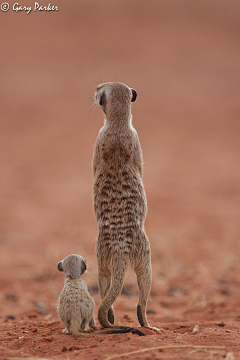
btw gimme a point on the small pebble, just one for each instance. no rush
(196, 328)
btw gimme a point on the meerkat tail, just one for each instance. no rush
(118, 276)
(113, 331)
(74, 331)
(122, 331)
(74, 328)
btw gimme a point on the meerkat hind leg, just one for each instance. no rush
(144, 284)
(117, 280)
(104, 285)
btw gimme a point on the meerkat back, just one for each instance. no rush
(120, 202)
(76, 307)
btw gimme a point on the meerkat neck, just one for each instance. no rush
(121, 120)
(70, 278)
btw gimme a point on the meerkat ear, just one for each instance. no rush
(84, 268)
(60, 266)
(102, 98)
(134, 95)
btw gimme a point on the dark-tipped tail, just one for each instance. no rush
(118, 276)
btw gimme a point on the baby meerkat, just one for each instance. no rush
(120, 202)
(76, 306)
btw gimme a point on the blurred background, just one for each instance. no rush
(183, 59)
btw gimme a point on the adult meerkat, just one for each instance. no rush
(120, 202)
(76, 306)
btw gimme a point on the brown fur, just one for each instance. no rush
(76, 307)
(119, 202)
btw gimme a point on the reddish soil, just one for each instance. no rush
(183, 60)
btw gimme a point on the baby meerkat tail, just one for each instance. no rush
(74, 328)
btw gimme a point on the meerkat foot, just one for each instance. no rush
(65, 331)
(142, 323)
(95, 327)
(153, 328)
(111, 316)
(92, 324)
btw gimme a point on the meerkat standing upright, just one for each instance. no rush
(119, 202)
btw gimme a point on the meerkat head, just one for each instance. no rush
(115, 98)
(73, 266)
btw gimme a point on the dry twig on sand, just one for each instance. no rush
(197, 347)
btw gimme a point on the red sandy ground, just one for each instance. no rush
(183, 60)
